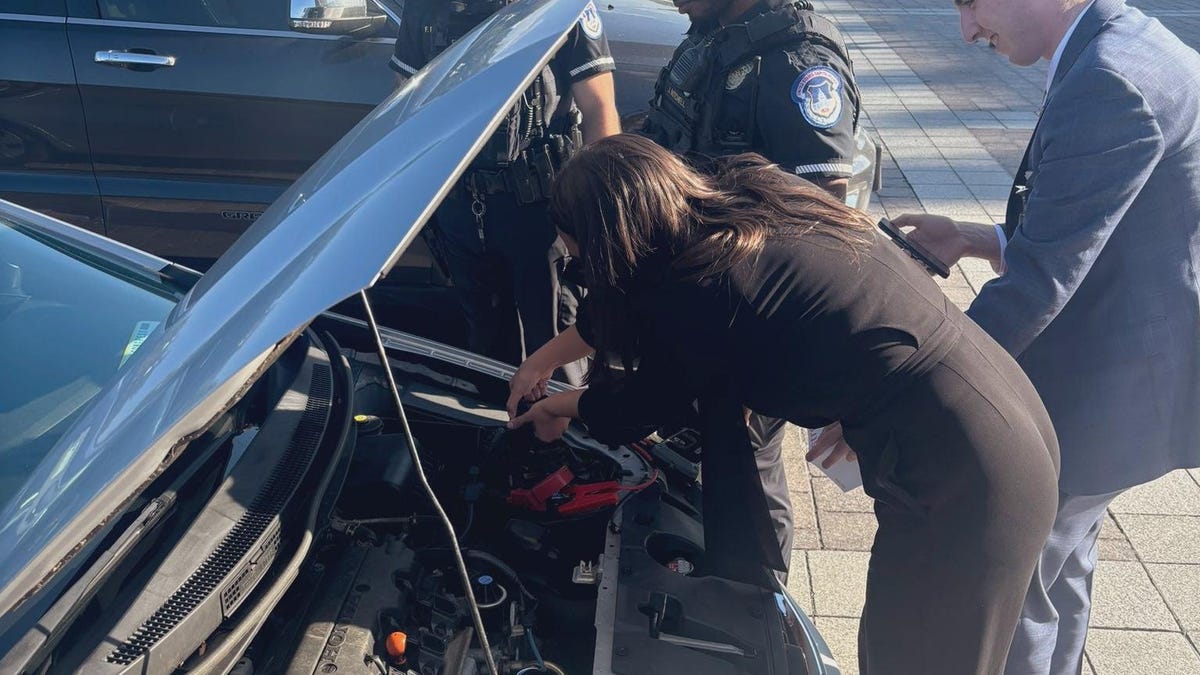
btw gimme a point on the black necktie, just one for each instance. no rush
(1017, 196)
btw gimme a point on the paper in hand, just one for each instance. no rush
(844, 473)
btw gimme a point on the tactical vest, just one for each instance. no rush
(536, 135)
(690, 88)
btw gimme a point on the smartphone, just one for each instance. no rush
(915, 250)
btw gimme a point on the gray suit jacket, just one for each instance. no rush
(1100, 303)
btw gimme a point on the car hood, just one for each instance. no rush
(340, 227)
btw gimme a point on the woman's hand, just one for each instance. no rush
(550, 416)
(831, 436)
(528, 383)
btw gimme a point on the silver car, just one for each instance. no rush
(217, 475)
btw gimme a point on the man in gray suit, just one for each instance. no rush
(1098, 297)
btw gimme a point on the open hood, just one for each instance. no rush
(340, 227)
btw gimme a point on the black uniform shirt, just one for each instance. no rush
(801, 101)
(584, 54)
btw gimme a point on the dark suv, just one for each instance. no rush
(171, 125)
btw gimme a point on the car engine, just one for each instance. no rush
(383, 594)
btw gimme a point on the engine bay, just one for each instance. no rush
(582, 558)
(300, 538)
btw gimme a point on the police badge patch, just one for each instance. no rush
(737, 76)
(589, 21)
(818, 92)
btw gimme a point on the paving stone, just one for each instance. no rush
(979, 280)
(924, 164)
(805, 533)
(831, 498)
(798, 585)
(985, 124)
(893, 189)
(969, 265)
(1022, 126)
(946, 177)
(844, 531)
(907, 153)
(1124, 597)
(990, 192)
(1116, 549)
(1124, 652)
(965, 140)
(1173, 494)
(1180, 585)
(841, 635)
(977, 165)
(955, 190)
(953, 208)
(955, 155)
(997, 178)
(1087, 667)
(839, 582)
(1110, 529)
(1163, 539)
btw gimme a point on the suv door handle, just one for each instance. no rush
(140, 60)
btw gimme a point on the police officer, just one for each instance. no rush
(491, 232)
(765, 76)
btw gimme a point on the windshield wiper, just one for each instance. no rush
(32, 648)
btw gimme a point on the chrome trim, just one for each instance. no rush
(120, 57)
(34, 18)
(245, 32)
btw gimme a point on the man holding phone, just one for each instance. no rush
(1099, 295)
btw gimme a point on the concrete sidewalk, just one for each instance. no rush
(954, 119)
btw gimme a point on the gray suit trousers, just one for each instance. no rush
(766, 437)
(1054, 620)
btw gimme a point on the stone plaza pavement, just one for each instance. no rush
(954, 120)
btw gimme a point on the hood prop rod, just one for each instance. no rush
(437, 505)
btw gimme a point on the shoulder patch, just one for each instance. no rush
(737, 76)
(818, 93)
(589, 21)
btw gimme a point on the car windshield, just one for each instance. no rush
(68, 323)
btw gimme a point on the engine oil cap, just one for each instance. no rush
(397, 644)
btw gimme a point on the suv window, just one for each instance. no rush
(268, 14)
(42, 7)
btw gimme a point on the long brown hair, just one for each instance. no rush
(640, 214)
